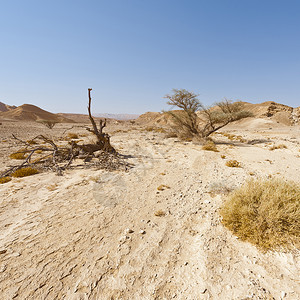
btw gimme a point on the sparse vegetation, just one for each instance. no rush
(210, 146)
(281, 146)
(223, 156)
(73, 136)
(162, 187)
(160, 213)
(31, 142)
(155, 129)
(17, 155)
(27, 171)
(233, 164)
(188, 121)
(265, 213)
(48, 123)
(5, 179)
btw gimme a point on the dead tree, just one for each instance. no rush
(60, 158)
(103, 139)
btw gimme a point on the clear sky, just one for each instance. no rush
(133, 52)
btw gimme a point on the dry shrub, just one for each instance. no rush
(31, 142)
(210, 146)
(281, 146)
(233, 164)
(265, 213)
(17, 155)
(24, 172)
(162, 187)
(73, 135)
(5, 179)
(155, 129)
(159, 213)
(223, 156)
(171, 134)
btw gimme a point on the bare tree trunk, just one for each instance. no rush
(103, 139)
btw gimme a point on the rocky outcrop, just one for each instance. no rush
(275, 108)
(4, 107)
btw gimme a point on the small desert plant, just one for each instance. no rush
(31, 142)
(223, 156)
(17, 155)
(210, 146)
(162, 187)
(24, 172)
(48, 123)
(281, 146)
(73, 136)
(5, 179)
(155, 129)
(171, 134)
(159, 213)
(233, 164)
(265, 213)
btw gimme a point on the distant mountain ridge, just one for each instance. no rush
(29, 112)
(118, 116)
(272, 111)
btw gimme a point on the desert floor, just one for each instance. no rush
(93, 234)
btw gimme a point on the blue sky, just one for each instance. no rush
(133, 52)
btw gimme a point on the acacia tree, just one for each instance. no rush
(207, 120)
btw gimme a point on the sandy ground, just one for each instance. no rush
(93, 234)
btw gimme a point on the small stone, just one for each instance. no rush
(128, 230)
(282, 294)
(123, 238)
(142, 231)
(2, 251)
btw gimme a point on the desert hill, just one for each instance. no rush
(29, 112)
(5, 107)
(267, 112)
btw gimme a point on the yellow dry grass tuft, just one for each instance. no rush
(17, 155)
(73, 135)
(265, 213)
(162, 187)
(24, 172)
(233, 164)
(5, 179)
(281, 146)
(31, 142)
(159, 213)
(210, 146)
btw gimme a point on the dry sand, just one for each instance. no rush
(93, 234)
